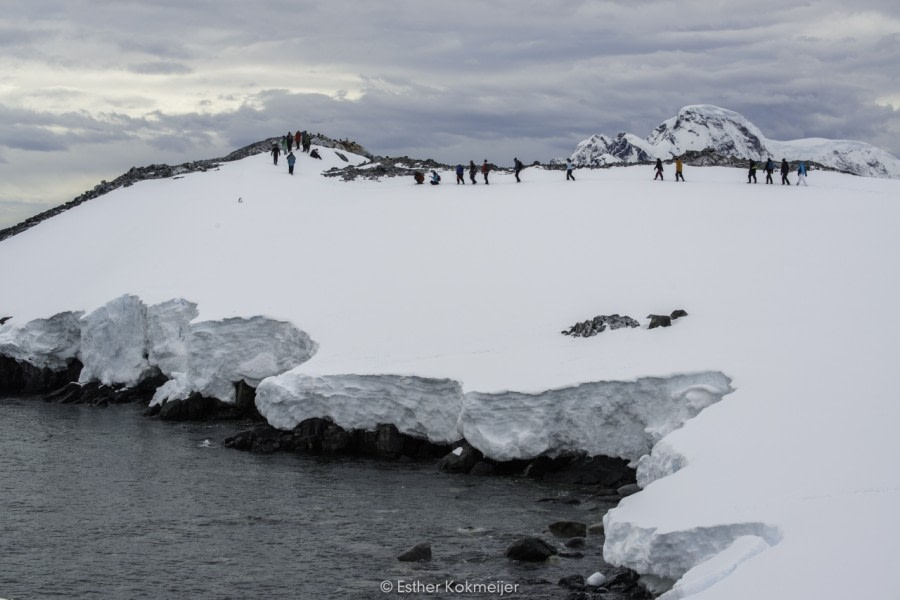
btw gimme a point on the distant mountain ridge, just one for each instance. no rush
(708, 130)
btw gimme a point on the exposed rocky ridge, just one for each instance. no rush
(163, 171)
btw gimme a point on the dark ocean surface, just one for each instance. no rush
(106, 503)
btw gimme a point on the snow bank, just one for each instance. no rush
(416, 406)
(168, 325)
(717, 568)
(221, 353)
(45, 343)
(610, 418)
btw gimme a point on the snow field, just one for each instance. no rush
(789, 293)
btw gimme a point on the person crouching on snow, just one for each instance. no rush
(435, 178)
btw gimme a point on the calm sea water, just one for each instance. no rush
(105, 503)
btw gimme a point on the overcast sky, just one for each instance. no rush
(90, 88)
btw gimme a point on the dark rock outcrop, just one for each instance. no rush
(419, 552)
(530, 549)
(598, 324)
(20, 377)
(677, 314)
(95, 393)
(659, 321)
(322, 437)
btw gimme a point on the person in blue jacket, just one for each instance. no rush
(801, 173)
(460, 179)
(770, 168)
(291, 159)
(435, 178)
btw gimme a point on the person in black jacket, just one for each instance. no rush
(518, 168)
(770, 168)
(473, 171)
(785, 169)
(751, 174)
(659, 170)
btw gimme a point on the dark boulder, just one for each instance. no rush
(677, 314)
(483, 468)
(659, 321)
(627, 490)
(460, 462)
(575, 582)
(419, 552)
(575, 543)
(530, 549)
(568, 529)
(21, 377)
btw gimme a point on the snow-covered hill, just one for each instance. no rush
(729, 134)
(440, 309)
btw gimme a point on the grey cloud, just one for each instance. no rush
(160, 68)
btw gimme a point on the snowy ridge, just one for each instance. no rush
(730, 134)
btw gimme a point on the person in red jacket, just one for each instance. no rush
(485, 169)
(297, 139)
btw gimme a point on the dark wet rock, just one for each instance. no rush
(568, 529)
(419, 552)
(483, 468)
(322, 437)
(195, 407)
(627, 490)
(21, 377)
(463, 463)
(575, 543)
(596, 529)
(677, 314)
(627, 583)
(4, 320)
(95, 393)
(659, 321)
(606, 492)
(571, 501)
(571, 554)
(599, 324)
(583, 470)
(530, 549)
(572, 582)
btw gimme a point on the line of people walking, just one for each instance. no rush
(785, 171)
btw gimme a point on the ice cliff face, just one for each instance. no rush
(611, 418)
(730, 134)
(417, 406)
(45, 343)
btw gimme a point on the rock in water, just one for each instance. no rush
(530, 549)
(568, 529)
(419, 552)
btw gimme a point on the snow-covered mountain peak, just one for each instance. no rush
(729, 135)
